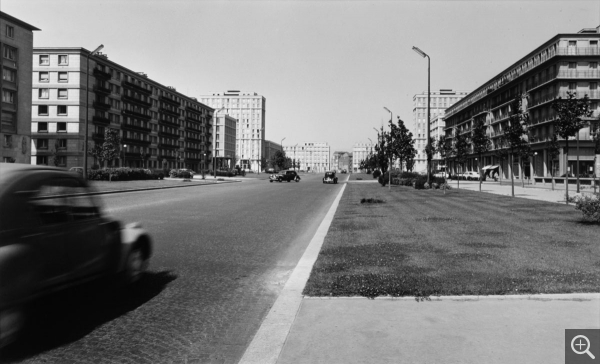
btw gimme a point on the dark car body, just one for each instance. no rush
(287, 176)
(53, 235)
(330, 177)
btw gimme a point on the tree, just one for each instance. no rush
(382, 151)
(596, 140)
(96, 152)
(55, 155)
(460, 150)
(278, 160)
(481, 143)
(444, 147)
(514, 133)
(569, 112)
(400, 142)
(111, 147)
(554, 151)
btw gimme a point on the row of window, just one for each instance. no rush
(44, 93)
(63, 60)
(44, 77)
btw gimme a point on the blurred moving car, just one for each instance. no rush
(471, 176)
(330, 177)
(53, 236)
(76, 169)
(287, 176)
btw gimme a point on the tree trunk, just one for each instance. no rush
(552, 173)
(480, 171)
(567, 171)
(512, 174)
(522, 170)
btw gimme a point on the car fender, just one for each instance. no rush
(133, 235)
(18, 283)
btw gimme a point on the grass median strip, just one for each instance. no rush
(422, 243)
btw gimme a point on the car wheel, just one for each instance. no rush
(12, 323)
(135, 265)
(271, 181)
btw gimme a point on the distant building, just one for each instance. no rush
(248, 108)
(16, 43)
(269, 150)
(341, 161)
(361, 152)
(159, 127)
(439, 102)
(565, 63)
(224, 130)
(437, 126)
(310, 157)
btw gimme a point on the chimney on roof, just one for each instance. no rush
(143, 74)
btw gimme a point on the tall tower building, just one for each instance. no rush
(440, 101)
(249, 110)
(16, 44)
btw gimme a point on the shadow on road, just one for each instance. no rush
(67, 316)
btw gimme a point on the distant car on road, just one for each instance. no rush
(54, 236)
(344, 171)
(287, 176)
(471, 176)
(330, 177)
(76, 170)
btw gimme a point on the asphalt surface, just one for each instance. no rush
(222, 255)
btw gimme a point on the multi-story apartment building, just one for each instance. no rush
(269, 150)
(360, 152)
(440, 101)
(566, 62)
(16, 44)
(310, 157)
(224, 127)
(341, 161)
(159, 127)
(249, 110)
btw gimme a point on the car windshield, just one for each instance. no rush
(329, 174)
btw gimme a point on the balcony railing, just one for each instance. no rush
(130, 126)
(101, 90)
(101, 105)
(135, 87)
(579, 73)
(136, 141)
(101, 74)
(168, 135)
(578, 51)
(193, 139)
(168, 112)
(191, 109)
(169, 100)
(98, 136)
(100, 120)
(190, 149)
(136, 114)
(163, 121)
(142, 103)
(168, 146)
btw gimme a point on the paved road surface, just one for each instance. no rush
(222, 255)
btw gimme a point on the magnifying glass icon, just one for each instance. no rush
(580, 344)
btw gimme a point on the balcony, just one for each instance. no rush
(579, 73)
(194, 139)
(101, 90)
(168, 135)
(102, 75)
(578, 51)
(168, 146)
(131, 126)
(166, 122)
(135, 87)
(101, 105)
(188, 108)
(100, 120)
(190, 149)
(168, 112)
(139, 102)
(98, 136)
(136, 114)
(169, 100)
(135, 141)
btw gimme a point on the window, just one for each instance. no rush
(593, 65)
(42, 144)
(61, 143)
(8, 96)
(61, 127)
(572, 43)
(593, 43)
(63, 60)
(44, 77)
(572, 65)
(10, 31)
(41, 160)
(42, 109)
(43, 93)
(43, 127)
(8, 74)
(63, 93)
(44, 60)
(61, 110)
(10, 53)
(593, 86)
(63, 76)
(572, 85)
(7, 140)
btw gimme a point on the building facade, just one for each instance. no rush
(439, 102)
(249, 109)
(269, 150)
(16, 44)
(566, 62)
(309, 156)
(361, 152)
(341, 161)
(159, 127)
(224, 127)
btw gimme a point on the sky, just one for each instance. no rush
(326, 68)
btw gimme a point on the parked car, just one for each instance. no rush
(330, 177)
(344, 171)
(183, 170)
(471, 176)
(287, 176)
(52, 238)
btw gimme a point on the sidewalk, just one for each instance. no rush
(459, 329)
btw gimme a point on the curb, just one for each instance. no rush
(536, 297)
(271, 336)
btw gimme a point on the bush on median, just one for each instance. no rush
(123, 174)
(589, 207)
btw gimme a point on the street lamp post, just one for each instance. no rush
(390, 167)
(295, 157)
(423, 54)
(203, 163)
(124, 162)
(87, 108)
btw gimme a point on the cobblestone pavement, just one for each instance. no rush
(222, 255)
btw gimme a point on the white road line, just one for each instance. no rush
(266, 346)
